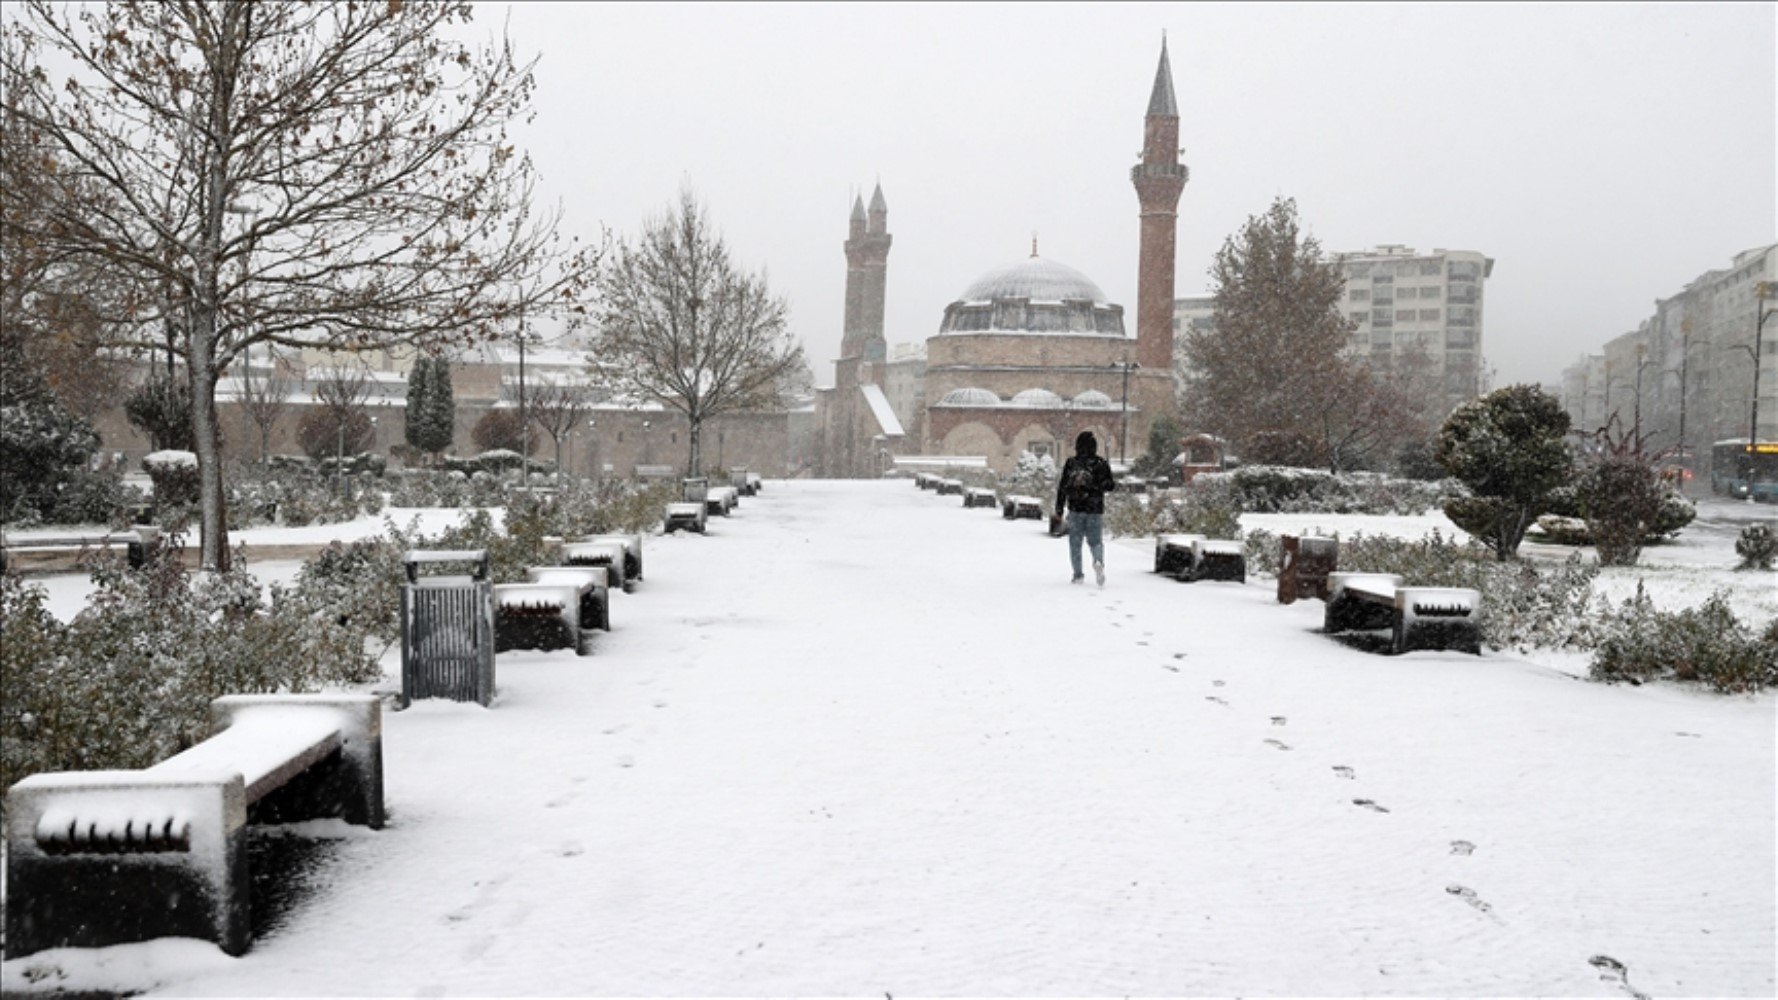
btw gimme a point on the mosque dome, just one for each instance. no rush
(1034, 295)
(1034, 278)
(969, 396)
(1093, 399)
(1037, 397)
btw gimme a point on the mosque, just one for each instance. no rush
(1028, 356)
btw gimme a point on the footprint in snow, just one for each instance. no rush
(1368, 804)
(1169, 666)
(1468, 895)
(1613, 971)
(1279, 720)
(1281, 746)
(1462, 848)
(1344, 771)
(1214, 698)
(1179, 656)
(1218, 683)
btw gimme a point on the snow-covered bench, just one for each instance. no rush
(1018, 507)
(979, 496)
(1173, 554)
(137, 543)
(632, 544)
(542, 616)
(96, 858)
(1217, 559)
(690, 511)
(721, 500)
(611, 554)
(743, 481)
(593, 584)
(949, 487)
(925, 481)
(1418, 617)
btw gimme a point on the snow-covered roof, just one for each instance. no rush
(1035, 278)
(880, 408)
(1041, 398)
(969, 396)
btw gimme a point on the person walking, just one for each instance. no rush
(1080, 491)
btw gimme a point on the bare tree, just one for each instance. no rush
(682, 323)
(266, 401)
(317, 175)
(339, 423)
(557, 409)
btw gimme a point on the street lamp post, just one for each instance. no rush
(1761, 292)
(1123, 433)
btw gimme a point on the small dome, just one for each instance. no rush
(1036, 279)
(969, 396)
(1093, 398)
(1037, 397)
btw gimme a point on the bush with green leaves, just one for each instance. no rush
(1509, 447)
(129, 680)
(1265, 489)
(1208, 506)
(1706, 645)
(1524, 605)
(1757, 546)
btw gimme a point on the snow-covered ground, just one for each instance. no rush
(860, 740)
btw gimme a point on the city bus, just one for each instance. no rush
(1742, 472)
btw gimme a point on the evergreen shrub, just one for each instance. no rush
(1757, 546)
(1706, 645)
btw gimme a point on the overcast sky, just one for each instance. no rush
(1603, 154)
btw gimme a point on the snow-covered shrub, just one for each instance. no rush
(1510, 448)
(93, 496)
(1209, 505)
(1033, 476)
(1284, 489)
(1706, 644)
(1620, 498)
(129, 681)
(1757, 546)
(1523, 605)
(175, 478)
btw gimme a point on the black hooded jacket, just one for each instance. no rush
(1086, 478)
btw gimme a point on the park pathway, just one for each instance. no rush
(859, 740)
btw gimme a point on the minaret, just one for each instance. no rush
(867, 266)
(1159, 179)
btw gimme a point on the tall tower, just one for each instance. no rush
(867, 267)
(1159, 179)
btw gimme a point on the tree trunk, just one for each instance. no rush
(212, 504)
(697, 425)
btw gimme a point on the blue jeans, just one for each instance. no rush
(1090, 527)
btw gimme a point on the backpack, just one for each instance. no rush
(1080, 482)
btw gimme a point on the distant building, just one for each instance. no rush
(1404, 302)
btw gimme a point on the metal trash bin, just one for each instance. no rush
(447, 629)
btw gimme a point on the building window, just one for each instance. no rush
(1360, 294)
(1432, 292)
(1430, 267)
(1464, 270)
(1429, 314)
(1407, 293)
(1361, 316)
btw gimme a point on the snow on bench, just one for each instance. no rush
(1019, 506)
(979, 496)
(721, 500)
(632, 544)
(1173, 554)
(95, 858)
(612, 554)
(137, 543)
(949, 487)
(1418, 617)
(1218, 559)
(540, 615)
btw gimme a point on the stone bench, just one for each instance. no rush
(1173, 554)
(689, 515)
(1417, 617)
(137, 543)
(96, 858)
(542, 615)
(632, 544)
(979, 496)
(611, 554)
(949, 487)
(1021, 507)
(1218, 559)
(721, 500)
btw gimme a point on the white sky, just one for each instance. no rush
(1604, 155)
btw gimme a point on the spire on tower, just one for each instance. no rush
(879, 211)
(1161, 102)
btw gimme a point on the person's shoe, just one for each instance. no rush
(1078, 579)
(1099, 572)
